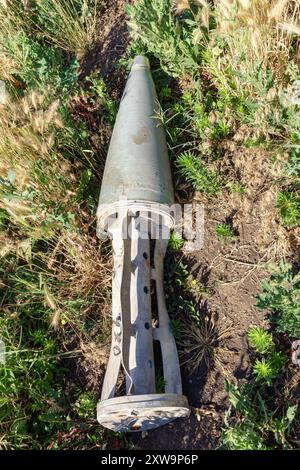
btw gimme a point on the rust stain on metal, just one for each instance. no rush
(142, 136)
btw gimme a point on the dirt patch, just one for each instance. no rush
(109, 46)
(200, 431)
(254, 216)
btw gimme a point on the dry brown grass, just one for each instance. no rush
(74, 31)
(27, 142)
(254, 43)
(259, 29)
(257, 33)
(202, 343)
(7, 65)
(27, 133)
(87, 269)
(79, 272)
(71, 24)
(31, 160)
(12, 23)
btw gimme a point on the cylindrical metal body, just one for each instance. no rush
(137, 168)
(137, 194)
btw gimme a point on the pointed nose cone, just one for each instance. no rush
(137, 167)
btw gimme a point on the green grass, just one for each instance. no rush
(68, 25)
(281, 295)
(259, 426)
(289, 208)
(263, 418)
(236, 187)
(40, 401)
(159, 32)
(224, 232)
(54, 276)
(196, 172)
(243, 436)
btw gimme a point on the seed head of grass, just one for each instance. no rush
(71, 25)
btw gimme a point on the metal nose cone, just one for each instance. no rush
(140, 61)
(137, 168)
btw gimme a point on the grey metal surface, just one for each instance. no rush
(138, 413)
(137, 167)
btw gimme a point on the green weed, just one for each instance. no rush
(161, 33)
(98, 87)
(258, 426)
(224, 232)
(176, 327)
(263, 420)
(289, 207)
(236, 187)
(281, 295)
(175, 242)
(268, 369)
(242, 436)
(261, 340)
(160, 382)
(197, 173)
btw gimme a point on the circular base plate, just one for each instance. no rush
(141, 412)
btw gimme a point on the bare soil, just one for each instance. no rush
(230, 273)
(110, 46)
